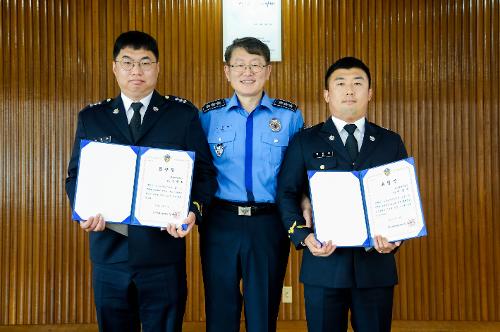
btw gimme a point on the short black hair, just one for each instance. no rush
(251, 45)
(136, 40)
(348, 63)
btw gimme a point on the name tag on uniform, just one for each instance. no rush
(322, 154)
(104, 139)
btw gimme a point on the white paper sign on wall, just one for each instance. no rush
(253, 18)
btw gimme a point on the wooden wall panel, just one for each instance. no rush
(435, 68)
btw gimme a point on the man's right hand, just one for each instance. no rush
(317, 249)
(93, 224)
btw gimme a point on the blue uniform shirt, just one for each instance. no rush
(269, 128)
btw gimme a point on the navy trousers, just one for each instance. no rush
(251, 249)
(126, 298)
(327, 309)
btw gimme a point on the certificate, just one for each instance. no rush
(133, 185)
(349, 208)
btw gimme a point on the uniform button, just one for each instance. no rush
(220, 139)
(276, 141)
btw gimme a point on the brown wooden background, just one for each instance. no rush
(435, 68)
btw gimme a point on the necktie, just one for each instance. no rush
(351, 143)
(135, 127)
(135, 122)
(249, 158)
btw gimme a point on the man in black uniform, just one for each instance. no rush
(139, 273)
(337, 280)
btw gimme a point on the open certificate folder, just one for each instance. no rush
(349, 208)
(133, 185)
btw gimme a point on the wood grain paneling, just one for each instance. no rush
(435, 68)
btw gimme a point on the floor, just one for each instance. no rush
(289, 326)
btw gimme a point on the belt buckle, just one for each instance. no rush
(245, 211)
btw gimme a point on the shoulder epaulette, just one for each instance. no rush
(285, 104)
(103, 102)
(179, 100)
(213, 105)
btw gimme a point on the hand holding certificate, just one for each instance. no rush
(351, 207)
(133, 185)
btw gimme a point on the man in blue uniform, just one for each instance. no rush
(139, 273)
(242, 237)
(337, 280)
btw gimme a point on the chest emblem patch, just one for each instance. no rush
(275, 125)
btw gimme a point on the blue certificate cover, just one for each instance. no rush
(133, 185)
(350, 208)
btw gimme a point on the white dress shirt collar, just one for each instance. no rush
(129, 111)
(359, 133)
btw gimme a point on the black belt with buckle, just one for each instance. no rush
(246, 209)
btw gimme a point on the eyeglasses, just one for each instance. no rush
(253, 68)
(144, 65)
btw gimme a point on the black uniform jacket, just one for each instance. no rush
(320, 147)
(169, 123)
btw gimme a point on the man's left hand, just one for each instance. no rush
(383, 246)
(176, 231)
